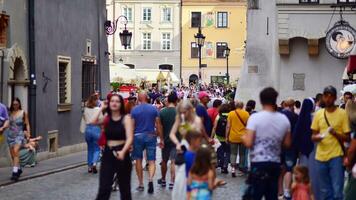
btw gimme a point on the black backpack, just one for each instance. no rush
(221, 126)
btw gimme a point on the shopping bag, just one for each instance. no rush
(180, 184)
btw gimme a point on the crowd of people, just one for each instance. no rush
(292, 151)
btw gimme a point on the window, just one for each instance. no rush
(166, 67)
(166, 41)
(222, 19)
(309, 1)
(131, 66)
(146, 41)
(64, 83)
(220, 49)
(346, 1)
(253, 4)
(196, 19)
(127, 12)
(166, 15)
(89, 79)
(194, 50)
(146, 15)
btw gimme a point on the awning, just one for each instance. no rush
(121, 73)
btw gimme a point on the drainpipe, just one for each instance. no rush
(2, 76)
(100, 30)
(181, 45)
(32, 68)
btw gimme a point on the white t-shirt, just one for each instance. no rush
(270, 129)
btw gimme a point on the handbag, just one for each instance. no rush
(338, 140)
(83, 125)
(102, 139)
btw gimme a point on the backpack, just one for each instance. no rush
(221, 126)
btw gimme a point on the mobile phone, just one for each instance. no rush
(115, 153)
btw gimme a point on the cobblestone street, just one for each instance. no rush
(76, 184)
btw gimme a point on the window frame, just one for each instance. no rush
(64, 106)
(143, 14)
(346, 2)
(191, 19)
(149, 40)
(222, 22)
(90, 78)
(126, 15)
(163, 20)
(191, 50)
(163, 40)
(220, 44)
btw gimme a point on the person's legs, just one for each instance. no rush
(226, 150)
(290, 162)
(90, 149)
(220, 154)
(151, 145)
(271, 192)
(256, 183)
(96, 148)
(336, 174)
(16, 158)
(350, 190)
(107, 171)
(124, 178)
(137, 155)
(242, 152)
(326, 189)
(233, 156)
(165, 158)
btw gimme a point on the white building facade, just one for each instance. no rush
(155, 27)
(286, 47)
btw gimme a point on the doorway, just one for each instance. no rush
(18, 83)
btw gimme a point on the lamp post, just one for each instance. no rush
(199, 40)
(227, 54)
(125, 35)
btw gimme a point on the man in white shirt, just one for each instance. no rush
(267, 131)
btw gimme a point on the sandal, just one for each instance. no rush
(162, 182)
(171, 185)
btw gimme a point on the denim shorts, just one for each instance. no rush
(289, 159)
(144, 141)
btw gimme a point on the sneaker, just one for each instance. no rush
(19, 172)
(90, 170)
(162, 182)
(150, 188)
(140, 188)
(15, 176)
(233, 172)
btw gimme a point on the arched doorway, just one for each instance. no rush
(193, 79)
(18, 79)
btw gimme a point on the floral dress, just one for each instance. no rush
(199, 190)
(15, 133)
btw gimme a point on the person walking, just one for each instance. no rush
(213, 112)
(92, 132)
(235, 130)
(17, 134)
(331, 129)
(289, 156)
(219, 132)
(117, 139)
(168, 116)
(267, 131)
(4, 124)
(147, 126)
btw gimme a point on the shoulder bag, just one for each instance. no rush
(338, 140)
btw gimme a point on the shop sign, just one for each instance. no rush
(340, 40)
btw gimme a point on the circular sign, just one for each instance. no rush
(340, 40)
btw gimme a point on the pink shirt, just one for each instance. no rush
(213, 113)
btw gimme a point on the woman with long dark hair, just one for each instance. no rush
(18, 131)
(118, 133)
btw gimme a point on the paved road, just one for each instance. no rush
(76, 184)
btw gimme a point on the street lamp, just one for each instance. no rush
(125, 35)
(199, 39)
(227, 54)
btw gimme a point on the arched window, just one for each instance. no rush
(166, 67)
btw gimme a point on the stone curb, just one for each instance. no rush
(41, 174)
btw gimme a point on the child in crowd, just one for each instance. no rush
(301, 187)
(201, 176)
(194, 138)
(32, 143)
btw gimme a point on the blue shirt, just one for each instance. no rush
(145, 118)
(4, 115)
(202, 113)
(189, 157)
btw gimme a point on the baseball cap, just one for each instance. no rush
(203, 94)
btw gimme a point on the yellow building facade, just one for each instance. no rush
(223, 23)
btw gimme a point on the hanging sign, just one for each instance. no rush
(340, 40)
